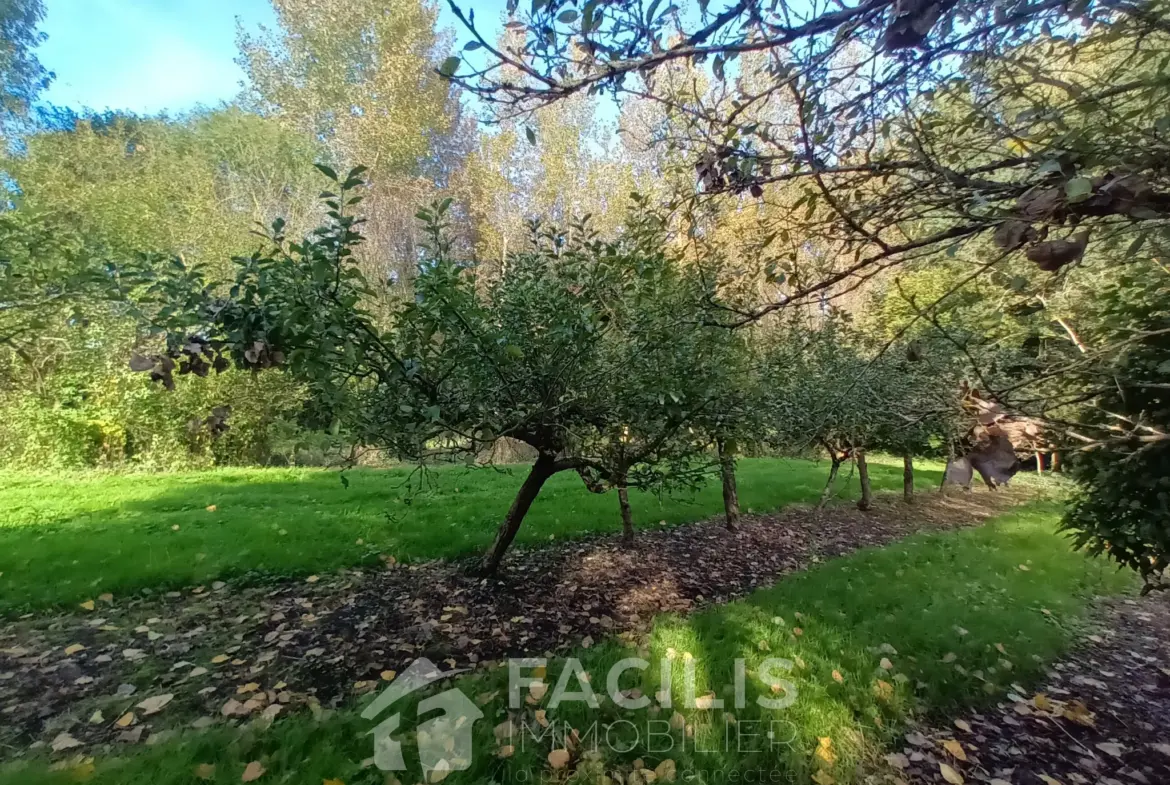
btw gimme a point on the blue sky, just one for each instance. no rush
(145, 55)
(151, 55)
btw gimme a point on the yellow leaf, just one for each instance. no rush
(666, 770)
(244, 689)
(558, 759)
(388, 675)
(1041, 702)
(955, 749)
(823, 777)
(837, 677)
(506, 751)
(126, 720)
(950, 775)
(73, 649)
(88, 605)
(252, 772)
(107, 597)
(884, 690)
(1078, 712)
(825, 750)
(205, 771)
(211, 508)
(82, 772)
(1049, 780)
(332, 782)
(219, 659)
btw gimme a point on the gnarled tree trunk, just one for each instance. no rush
(730, 493)
(623, 494)
(866, 501)
(544, 468)
(907, 478)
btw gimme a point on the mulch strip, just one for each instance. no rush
(227, 652)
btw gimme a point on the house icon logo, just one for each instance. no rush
(444, 741)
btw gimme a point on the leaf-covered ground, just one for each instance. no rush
(1100, 716)
(67, 538)
(328, 638)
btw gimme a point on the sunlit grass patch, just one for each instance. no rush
(69, 537)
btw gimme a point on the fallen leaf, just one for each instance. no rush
(536, 691)
(558, 759)
(837, 677)
(1111, 748)
(87, 605)
(244, 689)
(666, 770)
(73, 649)
(898, 760)
(705, 702)
(389, 675)
(332, 782)
(252, 772)
(62, 742)
(126, 720)
(219, 659)
(823, 777)
(312, 579)
(541, 717)
(955, 749)
(797, 631)
(1049, 780)
(825, 750)
(950, 775)
(156, 704)
(883, 690)
(205, 771)
(97, 718)
(963, 725)
(506, 751)
(1041, 702)
(886, 665)
(211, 508)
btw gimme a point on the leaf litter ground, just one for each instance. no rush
(129, 670)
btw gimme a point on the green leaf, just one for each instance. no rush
(1078, 189)
(567, 17)
(530, 134)
(450, 66)
(327, 171)
(471, 46)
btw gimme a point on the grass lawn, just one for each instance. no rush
(930, 624)
(67, 538)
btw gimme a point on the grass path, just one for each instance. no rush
(875, 639)
(68, 538)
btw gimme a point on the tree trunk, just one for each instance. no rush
(827, 493)
(624, 503)
(1056, 462)
(908, 478)
(1039, 462)
(866, 501)
(730, 493)
(541, 471)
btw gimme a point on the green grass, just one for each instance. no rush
(943, 602)
(66, 538)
